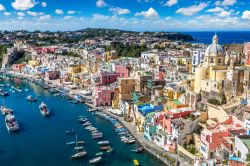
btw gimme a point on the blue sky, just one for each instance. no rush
(139, 15)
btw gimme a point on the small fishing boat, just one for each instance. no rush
(3, 93)
(103, 143)
(136, 162)
(70, 143)
(82, 120)
(95, 160)
(6, 111)
(137, 150)
(11, 123)
(78, 148)
(80, 142)
(31, 99)
(44, 109)
(86, 124)
(79, 155)
(69, 131)
(104, 147)
(99, 154)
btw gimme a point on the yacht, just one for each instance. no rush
(44, 109)
(11, 123)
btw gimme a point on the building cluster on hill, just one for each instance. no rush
(187, 98)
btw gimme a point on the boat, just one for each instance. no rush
(6, 111)
(99, 154)
(109, 150)
(104, 147)
(136, 162)
(31, 99)
(77, 154)
(78, 148)
(11, 123)
(82, 120)
(95, 160)
(86, 124)
(69, 131)
(80, 142)
(103, 143)
(3, 93)
(44, 109)
(137, 150)
(70, 143)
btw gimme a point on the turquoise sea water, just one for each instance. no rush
(41, 141)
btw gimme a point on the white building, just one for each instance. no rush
(197, 58)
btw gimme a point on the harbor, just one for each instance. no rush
(47, 137)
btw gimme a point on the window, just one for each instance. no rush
(211, 60)
(214, 85)
(219, 61)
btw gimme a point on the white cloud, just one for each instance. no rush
(45, 17)
(7, 13)
(225, 3)
(170, 3)
(224, 14)
(215, 10)
(150, 13)
(101, 3)
(32, 13)
(43, 4)
(59, 11)
(68, 17)
(191, 10)
(100, 17)
(246, 15)
(220, 12)
(119, 11)
(23, 4)
(20, 14)
(2, 7)
(71, 12)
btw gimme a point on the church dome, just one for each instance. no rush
(214, 49)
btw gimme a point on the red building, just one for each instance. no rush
(107, 78)
(18, 67)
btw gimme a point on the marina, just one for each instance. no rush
(58, 132)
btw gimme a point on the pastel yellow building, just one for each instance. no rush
(33, 63)
(111, 55)
(72, 69)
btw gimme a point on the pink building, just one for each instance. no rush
(213, 137)
(107, 78)
(46, 49)
(103, 96)
(122, 69)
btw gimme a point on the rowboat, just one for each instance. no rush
(136, 162)
(103, 143)
(99, 154)
(95, 160)
(70, 143)
(104, 147)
